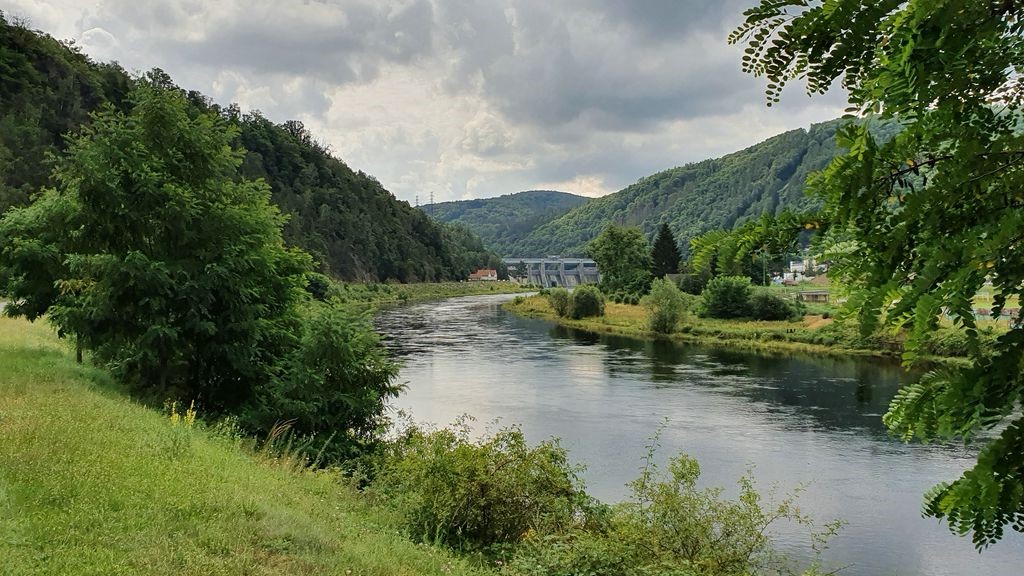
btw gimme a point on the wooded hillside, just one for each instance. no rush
(506, 220)
(695, 198)
(352, 225)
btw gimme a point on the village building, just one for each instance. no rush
(484, 275)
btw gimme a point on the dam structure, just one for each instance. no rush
(553, 271)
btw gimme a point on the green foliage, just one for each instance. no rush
(169, 269)
(478, 495)
(167, 500)
(336, 382)
(666, 305)
(355, 229)
(752, 248)
(665, 257)
(713, 194)
(346, 219)
(560, 301)
(623, 258)
(46, 90)
(767, 306)
(503, 221)
(587, 301)
(694, 283)
(672, 528)
(726, 297)
(928, 216)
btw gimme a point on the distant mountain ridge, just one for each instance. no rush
(503, 221)
(697, 197)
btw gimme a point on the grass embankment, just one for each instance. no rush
(812, 334)
(384, 294)
(92, 483)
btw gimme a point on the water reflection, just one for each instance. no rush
(796, 418)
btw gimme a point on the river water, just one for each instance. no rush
(796, 419)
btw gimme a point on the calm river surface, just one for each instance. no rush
(796, 419)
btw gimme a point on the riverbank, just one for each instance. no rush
(389, 294)
(93, 483)
(813, 334)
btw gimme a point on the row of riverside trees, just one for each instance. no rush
(153, 256)
(633, 272)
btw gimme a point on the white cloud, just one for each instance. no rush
(462, 98)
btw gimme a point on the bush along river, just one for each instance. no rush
(796, 419)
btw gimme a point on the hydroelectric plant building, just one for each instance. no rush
(553, 271)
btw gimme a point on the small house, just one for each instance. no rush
(484, 275)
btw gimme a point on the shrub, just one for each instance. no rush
(768, 306)
(671, 527)
(478, 495)
(693, 283)
(634, 299)
(587, 301)
(318, 285)
(726, 297)
(559, 300)
(336, 381)
(666, 306)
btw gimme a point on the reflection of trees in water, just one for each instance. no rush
(833, 392)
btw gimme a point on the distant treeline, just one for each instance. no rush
(354, 228)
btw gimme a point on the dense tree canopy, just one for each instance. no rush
(354, 228)
(163, 263)
(719, 193)
(504, 221)
(925, 220)
(623, 259)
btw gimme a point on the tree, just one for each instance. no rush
(587, 301)
(623, 259)
(337, 381)
(157, 258)
(929, 216)
(726, 297)
(665, 256)
(666, 306)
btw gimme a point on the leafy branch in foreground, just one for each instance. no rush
(931, 216)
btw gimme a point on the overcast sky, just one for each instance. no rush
(462, 98)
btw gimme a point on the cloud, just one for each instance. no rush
(462, 98)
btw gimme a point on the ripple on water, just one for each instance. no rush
(796, 419)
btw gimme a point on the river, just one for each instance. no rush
(796, 419)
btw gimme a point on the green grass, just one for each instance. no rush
(384, 294)
(93, 483)
(813, 334)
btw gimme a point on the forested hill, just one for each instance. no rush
(503, 221)
(698, 197)
(355, 228)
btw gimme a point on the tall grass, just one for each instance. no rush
(89, 485)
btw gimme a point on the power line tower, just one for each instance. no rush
(431, 203)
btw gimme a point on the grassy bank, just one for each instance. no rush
(385, 294)
(812, 334)
(92, 483)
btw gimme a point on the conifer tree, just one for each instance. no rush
(665, 253)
